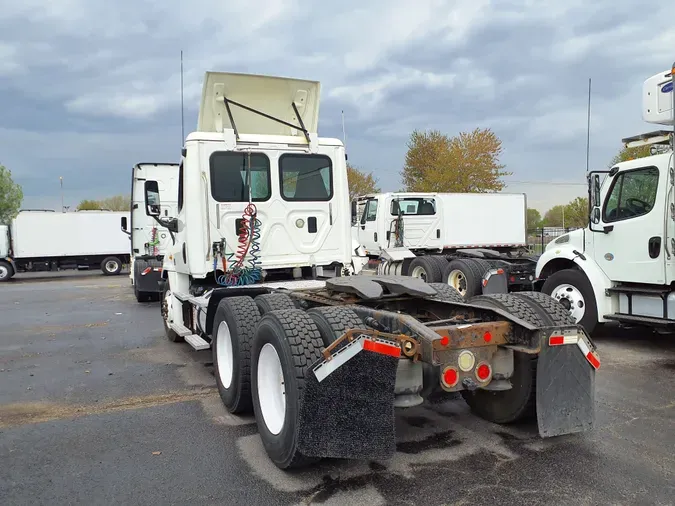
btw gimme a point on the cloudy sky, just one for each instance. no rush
(88, 88)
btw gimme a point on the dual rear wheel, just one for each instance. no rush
(262, 350)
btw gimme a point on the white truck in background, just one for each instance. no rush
(262, 240)
(46, 240)
(149, 239)
(453, 238)
(622, 266)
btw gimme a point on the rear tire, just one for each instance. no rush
(426, 268)
(6, 271)
(518, 403)
(273, 302)
(571, 288)
(234, 326)
(334, 321)
(111, 266)
(446, 292)
(290, 342)
(466, 276)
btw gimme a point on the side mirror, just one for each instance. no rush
(124, 223)
(596, 190)
(354, 212)
(596, 215)
(152, 198)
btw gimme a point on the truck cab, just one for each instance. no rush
(149, 239)
(260, 196)
(622, 267)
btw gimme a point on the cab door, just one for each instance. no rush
(630, 246)
(368, 236)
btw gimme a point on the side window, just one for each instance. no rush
(229, 172)
(633, 194)
(371, 213)
(306, 177)
(414, 207)
(180, 187)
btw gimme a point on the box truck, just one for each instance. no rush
(47, 240)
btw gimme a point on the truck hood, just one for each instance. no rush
(271, 95)
(574, 239)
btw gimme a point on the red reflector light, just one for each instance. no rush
(512, 279)
(382, 348)
(556, 340)
(445, 340)
(500, 271)
(590, 356)
(146, 270)
(487, 337)
(450, 377)
(483, 372)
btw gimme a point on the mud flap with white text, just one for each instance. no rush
(347, 407)
(566, 385)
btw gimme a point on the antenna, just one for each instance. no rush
(182, 114)
(588, 128)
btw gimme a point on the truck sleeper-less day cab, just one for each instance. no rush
(46, 240)
(622, 266)
(454, 238)
(149, 239)
(255, 272)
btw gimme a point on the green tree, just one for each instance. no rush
(630, 154)
(576, 213)
(89, 205)
(533, 219)
(360, 183)
(469, 162)
(11, 196)
(553, 217)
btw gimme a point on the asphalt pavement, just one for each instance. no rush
(97, 407)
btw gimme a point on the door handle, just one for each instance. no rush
(654, 247)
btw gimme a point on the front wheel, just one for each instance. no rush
(572, 289)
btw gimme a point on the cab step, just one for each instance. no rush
(180, 329)
(197, 342)
(645, 290)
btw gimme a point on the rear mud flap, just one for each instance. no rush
(350, 412)
(565, 390)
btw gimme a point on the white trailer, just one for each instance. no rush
(49, 240)
(149, 239)
(262, 238)
(622, 266)
(454, 238)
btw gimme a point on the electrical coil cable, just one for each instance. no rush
(237, 269)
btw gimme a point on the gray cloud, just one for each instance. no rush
(88, 88)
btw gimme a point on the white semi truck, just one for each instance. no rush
(262, 240)
(149, 239)
(453, 238)
(622, 266)
(46, 240)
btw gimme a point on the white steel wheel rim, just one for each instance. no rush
(224, 355)
(419, 272)
(271, 389)
(572, 299)
(457, 280)
(111, 265)
(4, 272)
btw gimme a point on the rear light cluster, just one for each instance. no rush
(466, 362)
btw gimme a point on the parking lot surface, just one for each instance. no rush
(97, 407)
